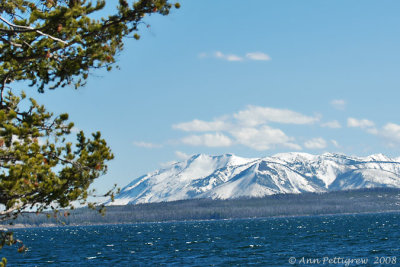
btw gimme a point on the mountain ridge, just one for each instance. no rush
(229, 176)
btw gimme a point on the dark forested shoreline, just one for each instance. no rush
(305, 204)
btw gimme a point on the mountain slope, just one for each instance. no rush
(228, 176)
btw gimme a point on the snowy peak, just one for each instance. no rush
(229, 176)
(378, 157)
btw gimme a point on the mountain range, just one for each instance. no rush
(228, 176)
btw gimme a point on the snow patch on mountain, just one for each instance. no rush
(229, 176)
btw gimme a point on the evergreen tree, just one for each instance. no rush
(52, 44)
(56, 42)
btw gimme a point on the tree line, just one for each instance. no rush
(305, 204)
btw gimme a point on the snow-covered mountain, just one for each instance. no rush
(229, 176)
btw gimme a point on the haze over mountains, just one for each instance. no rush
(229, 176)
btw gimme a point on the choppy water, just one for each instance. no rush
(260, 242)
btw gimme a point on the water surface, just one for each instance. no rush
(267, 242)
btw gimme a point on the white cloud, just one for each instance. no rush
(335, 143)
(315, 143)
(182, 155)
(391, 132)
(258, 56)
(202, 126)
(229, 57)
(255, 115)
(332, 124)
(254, 56)
(248, 127)
(364, 123)
(147, 145)
(373, 131)
(339, 104)
(233, 58)
(263, 138)
(209, 140)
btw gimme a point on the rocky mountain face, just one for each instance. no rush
(229, 176)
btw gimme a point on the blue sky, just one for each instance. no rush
(253, 78)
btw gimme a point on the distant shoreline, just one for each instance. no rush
(352, 202)
(51, 225)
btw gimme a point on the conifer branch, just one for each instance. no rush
(20, 28)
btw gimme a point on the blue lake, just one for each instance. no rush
(342, 239)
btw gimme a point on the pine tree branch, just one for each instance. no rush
(10, 42)
(5, 214)
(27, 29)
